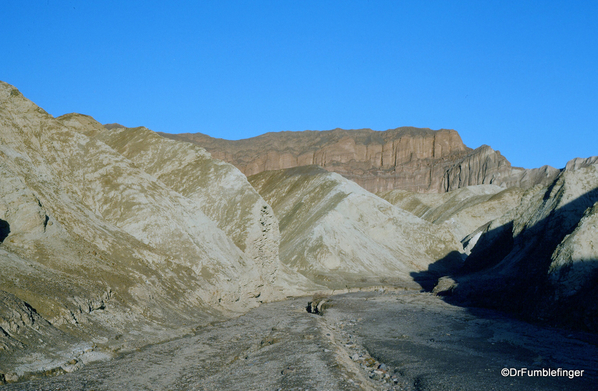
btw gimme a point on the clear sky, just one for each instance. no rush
(520, 76)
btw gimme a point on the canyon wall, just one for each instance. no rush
(414, 159)
(540, 259)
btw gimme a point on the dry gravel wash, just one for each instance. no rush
(365, 341)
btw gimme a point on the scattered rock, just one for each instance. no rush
(318, 304)
(445, 286)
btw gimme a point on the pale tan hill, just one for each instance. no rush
(465, 211)
(222, 192)
(438, 207)
(219, 189)
(574, 262)
(98, 255)
(340, 235)
(577, 163)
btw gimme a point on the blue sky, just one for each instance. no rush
(520, 76)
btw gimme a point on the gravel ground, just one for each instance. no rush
(365, 341)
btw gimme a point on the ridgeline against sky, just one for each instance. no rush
(519, 76)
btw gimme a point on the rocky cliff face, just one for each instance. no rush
(487, 166)
(412, 159)
(409, 158)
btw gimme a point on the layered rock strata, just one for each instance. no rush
(487, 166)
(414, 159)
(410, 158)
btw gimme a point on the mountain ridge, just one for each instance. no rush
(406, 158)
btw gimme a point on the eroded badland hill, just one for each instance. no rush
(114, 238)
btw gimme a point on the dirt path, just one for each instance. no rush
(366, 341)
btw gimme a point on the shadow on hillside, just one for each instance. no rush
(510, 273)
(446, 266)
(4, 230)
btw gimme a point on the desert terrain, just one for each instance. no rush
(378, 340)
(144, 261)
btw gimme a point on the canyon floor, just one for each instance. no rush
(382, 340)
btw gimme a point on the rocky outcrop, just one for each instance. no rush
(482, 166)
(487, 166)
(574, 262)
(413, 159)
(578, 163)
(339, 235)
